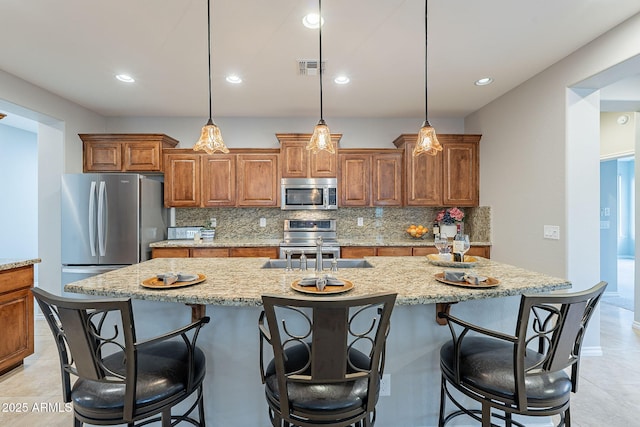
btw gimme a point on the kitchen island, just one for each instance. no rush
(16, 311)
(231, 294)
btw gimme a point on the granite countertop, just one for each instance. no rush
(225, 243)
(9, 263)
(241, 281)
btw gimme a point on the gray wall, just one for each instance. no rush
(540, 161)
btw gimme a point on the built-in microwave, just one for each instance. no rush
(309, 193)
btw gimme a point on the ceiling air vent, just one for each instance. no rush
(309, 67)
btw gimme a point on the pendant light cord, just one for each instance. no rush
(426, 102)
(209, 56)
(320, 61)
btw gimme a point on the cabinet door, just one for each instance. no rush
(323, 164)
(102, 157)
(423, 178)
(294, 157)
(258, 179)
(142, 156)
(357, 251)
(219, 180)
(355, 177)
(257, 252)
(182, 180)
(169, 252)
(209, 252)
(387, 179)
(394, 251)
(424, 250)
(460, 174)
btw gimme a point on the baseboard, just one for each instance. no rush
(591, 351)
(636, 325)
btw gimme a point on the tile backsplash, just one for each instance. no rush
(384, 223)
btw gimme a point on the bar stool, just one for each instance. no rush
(523, 373)
(328, 358)
(120, 379)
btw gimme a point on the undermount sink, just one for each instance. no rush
(311, 263)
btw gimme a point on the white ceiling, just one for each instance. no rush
(74, 48)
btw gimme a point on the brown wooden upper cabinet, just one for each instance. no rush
(297, 162)
(199, 180)
(451, 178)
(124, 152)
(258, 178)
(240, 178)
(370, 177)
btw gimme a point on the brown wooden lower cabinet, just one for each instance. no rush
(16, 316)
(363, 251)
(357, 251)
(170, 253)
(394, 251)
(209, 252)
(269, 252)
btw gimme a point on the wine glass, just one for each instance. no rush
(461, 245)
(442, 244)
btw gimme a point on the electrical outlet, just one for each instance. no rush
(385, 385)
(263, 222)
(213, 222)
(360, 221)
(551, 232)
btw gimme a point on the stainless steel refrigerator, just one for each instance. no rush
(108, 222)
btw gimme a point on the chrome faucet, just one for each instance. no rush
(319, 254)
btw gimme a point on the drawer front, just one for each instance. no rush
(16, 278)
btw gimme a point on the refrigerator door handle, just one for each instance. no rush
(92, 216)
(102, 213)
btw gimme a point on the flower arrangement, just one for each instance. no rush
(450, 216)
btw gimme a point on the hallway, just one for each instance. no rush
(625, 297)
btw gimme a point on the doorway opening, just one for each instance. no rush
(617, 230)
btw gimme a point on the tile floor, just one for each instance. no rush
(608, 395)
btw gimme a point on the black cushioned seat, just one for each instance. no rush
(162, 375)
(487, 364)
(336, 397)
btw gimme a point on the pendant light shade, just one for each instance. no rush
(427, 140)
(210, 137)
(321, 138)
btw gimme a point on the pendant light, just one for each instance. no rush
(427, 140)
(321, 138)
(210, 137)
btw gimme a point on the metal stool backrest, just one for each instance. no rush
(555, 325)
(82, 339)
(329, 328)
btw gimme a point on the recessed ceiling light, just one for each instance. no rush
(232, 78)
(623, 119)
(311, 21)
(125, 78)
(484, 81)
(342, 80)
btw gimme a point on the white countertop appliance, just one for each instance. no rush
(300, 237)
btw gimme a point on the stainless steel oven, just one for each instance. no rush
(300, 237)
(309, 193)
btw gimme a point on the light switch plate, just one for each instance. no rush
(360, 221)
(263, 222)
(552, 232)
